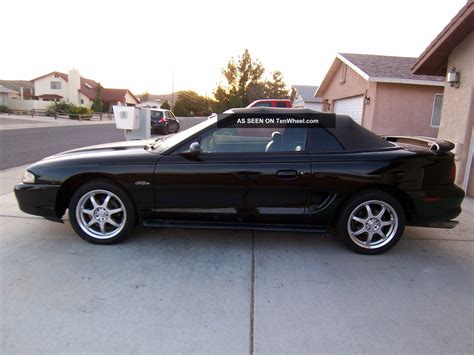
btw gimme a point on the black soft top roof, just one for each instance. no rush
(351, 135)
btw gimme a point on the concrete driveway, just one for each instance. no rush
(231, 291)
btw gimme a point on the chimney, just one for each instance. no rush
(73, 86)
(21, 93)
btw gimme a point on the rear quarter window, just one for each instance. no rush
(321, 141)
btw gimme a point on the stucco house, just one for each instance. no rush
(74, 88)
(303, 97)
(5, 94)
(382, 94)
(451, 52)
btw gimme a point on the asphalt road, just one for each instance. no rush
(25, 146)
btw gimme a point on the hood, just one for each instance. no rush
(107, 147)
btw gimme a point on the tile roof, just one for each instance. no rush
(307, 92)
(381, 66)
(51, 97)
(113, 95)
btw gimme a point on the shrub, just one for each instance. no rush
(75, 111)
(72, 110)
(4, 109)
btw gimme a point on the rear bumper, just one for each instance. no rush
(435, 208)
(37, 199)
(159, 127)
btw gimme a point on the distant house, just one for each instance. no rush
(382, 94)
(453, 51)
(5, 94)
(303, 97)
(24, 88)
(73, 88)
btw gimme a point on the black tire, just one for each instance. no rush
(355, 224)
(118, 210)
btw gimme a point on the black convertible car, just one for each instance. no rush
(220, 174)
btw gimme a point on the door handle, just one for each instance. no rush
(287, 174)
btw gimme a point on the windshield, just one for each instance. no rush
(164, 144)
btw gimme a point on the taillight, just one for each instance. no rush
(452, 173)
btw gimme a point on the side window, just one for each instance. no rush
(167, 114)
(263, 104)
(172, 116)
(322, 141)
(281, 104)
(254, 140)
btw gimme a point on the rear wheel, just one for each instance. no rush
(101, 213)
(371, 222)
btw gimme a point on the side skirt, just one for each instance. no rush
(156, 223)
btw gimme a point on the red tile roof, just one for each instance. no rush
(51, 97)
(115, 95)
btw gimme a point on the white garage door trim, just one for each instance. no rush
(351, 106)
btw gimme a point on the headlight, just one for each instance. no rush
(28, 178)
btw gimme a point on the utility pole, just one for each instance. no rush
(172, 90)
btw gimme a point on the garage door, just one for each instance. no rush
(352, 106)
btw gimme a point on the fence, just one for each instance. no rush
(80, 117)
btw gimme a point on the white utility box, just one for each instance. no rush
(126, 117)
(135, 121)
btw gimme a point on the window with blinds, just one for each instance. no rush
(436, 114)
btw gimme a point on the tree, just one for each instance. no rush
(276, 88)
(193, 103)
(165, 105)
(180, 109)
(97, 105)
(245, 83)
(145, 96)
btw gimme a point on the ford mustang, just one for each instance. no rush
(330, 174)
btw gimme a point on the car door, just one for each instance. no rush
(279, 181)
(235, 178)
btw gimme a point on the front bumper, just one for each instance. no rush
(37, 199)
(433, 208)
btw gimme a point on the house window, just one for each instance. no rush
(56, 85)
(82, 101)
(436, 114)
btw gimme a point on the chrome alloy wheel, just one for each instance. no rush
(372, 224)
(101, 214)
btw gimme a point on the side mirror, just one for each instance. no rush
(195, 148)
(193, 152)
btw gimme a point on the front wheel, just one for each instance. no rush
(102, 213)
(371, 222)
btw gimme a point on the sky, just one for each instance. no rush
(142, 45)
